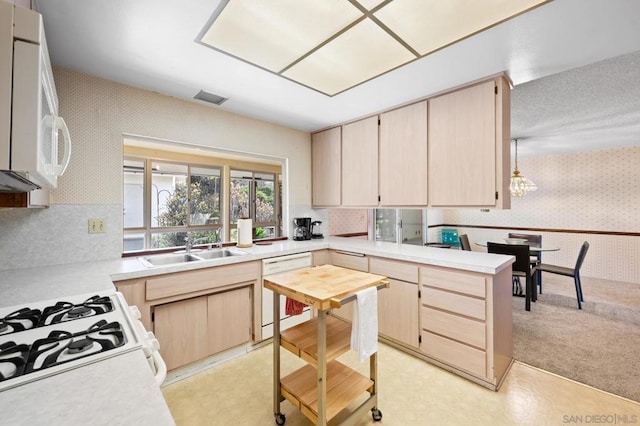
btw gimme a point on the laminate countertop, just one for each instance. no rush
(121, 390)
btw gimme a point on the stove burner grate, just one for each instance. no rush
(13, 360)
(20, 320)
(61, 347)
(65, 311)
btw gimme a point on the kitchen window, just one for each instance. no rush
(256, 196)
(166, 201)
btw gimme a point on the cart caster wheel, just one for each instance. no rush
(376, 414)
(280, 419)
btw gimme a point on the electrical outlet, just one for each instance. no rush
(96, 226)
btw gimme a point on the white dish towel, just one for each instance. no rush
(364, 327)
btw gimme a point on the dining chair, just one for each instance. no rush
(464, 242)
(536, 258)
(520, 268)
(569, 272)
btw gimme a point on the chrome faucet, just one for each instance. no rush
(188, 243)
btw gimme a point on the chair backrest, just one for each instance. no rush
(535, 239)
(464, 242)
(532, 238)
(582, 255)
(520, 251)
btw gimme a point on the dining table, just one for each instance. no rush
(534, 248)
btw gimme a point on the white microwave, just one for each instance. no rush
(31, 155)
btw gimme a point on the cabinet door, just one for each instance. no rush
(462, 147)
(325, 168)
(398, 308)
(360, 163)
(403, 156)
(181, 329)
(229, 319)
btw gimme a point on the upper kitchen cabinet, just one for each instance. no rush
(469, 132)
(360, 163)
(325, 169)
(403, 156)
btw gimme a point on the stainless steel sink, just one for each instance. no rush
(219, 253)
(167, 259)
(177, 258)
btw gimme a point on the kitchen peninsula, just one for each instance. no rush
(460, 305)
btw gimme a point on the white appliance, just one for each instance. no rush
(277, 265)
(30, 155)
(50, 337)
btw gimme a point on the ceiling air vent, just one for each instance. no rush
(210, 97)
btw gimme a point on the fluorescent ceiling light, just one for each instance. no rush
(331, 46)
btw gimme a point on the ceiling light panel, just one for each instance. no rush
(273, 34)
(361, 53)
(370, 4)
(428, 25)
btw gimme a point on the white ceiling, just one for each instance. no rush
(152, 44)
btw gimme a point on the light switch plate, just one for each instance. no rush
(96, 226)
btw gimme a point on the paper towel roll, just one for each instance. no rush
(245, 233)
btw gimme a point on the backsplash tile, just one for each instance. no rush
(57, 235)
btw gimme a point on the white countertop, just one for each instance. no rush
(20, 286)
(130, 396)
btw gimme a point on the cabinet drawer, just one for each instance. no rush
(464, 305)
(399, 270)
(201, 279)
(473, 285)
(352, 261)
(464, 330)
(455, 354)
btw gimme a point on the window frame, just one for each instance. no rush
(148, 230)
(277, 215)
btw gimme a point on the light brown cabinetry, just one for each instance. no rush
(320, 257)
(398, 305)
(360, 163)
(469, 146)
(229, 316)
(403, 156)
(198, 313)
(181, 329)
(465, 322)
(326, 167)
(451, 150)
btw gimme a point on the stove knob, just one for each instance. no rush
(152, 341)
(135, 312)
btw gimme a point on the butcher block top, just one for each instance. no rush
(322, 287)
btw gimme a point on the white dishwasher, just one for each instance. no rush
(277, 265)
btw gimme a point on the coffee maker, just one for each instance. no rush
(302, 231)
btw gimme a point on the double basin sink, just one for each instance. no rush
(195, 256)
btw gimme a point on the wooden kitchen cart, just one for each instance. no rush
(324, 387)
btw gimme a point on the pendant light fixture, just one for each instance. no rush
(520, 185)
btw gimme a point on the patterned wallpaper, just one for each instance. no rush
(347, 221)
(99, 112)
(589, 191)
(595, 190)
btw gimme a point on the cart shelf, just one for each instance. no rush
(302, 341)
(344, 385)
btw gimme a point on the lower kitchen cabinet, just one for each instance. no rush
(193, 329)
(198, 313)
(398, 305)
(398, 312)
(229, 319)
(465, 322)
(181, 328)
